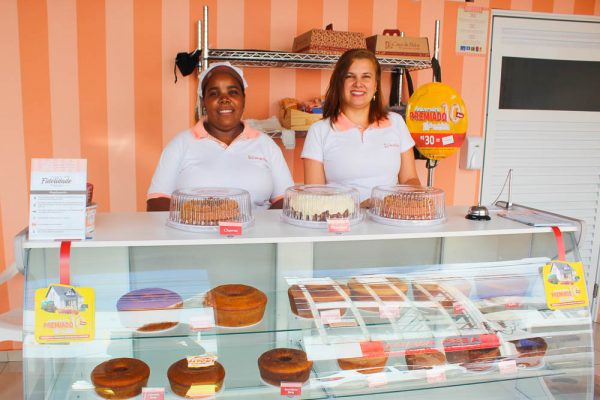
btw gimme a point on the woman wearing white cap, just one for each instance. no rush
(221, 150)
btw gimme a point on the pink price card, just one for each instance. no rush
(330, 316)
(507, 367)
(338, 225)
(436, 375)
(291, 389)
(376, 380)
(202, 321)
(389, 311)
(153, 393)
(459, 308)
(230, 228)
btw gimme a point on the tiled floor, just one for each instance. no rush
(11, 376)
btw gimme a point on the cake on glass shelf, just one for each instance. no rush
(406, 204)
(312, 205)
(200, 209)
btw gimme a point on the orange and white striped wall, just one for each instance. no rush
(94, 79)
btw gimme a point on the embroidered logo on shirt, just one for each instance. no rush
(388, 145)
(259, 158)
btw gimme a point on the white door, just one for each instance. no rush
(543, 118)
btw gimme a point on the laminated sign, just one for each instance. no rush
(64, 314)
(564, 284)
(436, 117)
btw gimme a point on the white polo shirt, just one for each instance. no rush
(361, 160)
(194, 158)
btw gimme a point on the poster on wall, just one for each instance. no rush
(472, 30)
(57, 199)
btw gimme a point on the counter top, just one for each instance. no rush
(124, 229)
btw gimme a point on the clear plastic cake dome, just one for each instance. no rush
(201, 209)
(407, 205)
(312, 205)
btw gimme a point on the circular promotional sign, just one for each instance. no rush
(436, 117)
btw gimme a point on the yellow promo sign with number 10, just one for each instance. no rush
(436, 117)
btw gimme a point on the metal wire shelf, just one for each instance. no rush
(277, 59)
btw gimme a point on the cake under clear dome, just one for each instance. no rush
(312, 205)
(407, 204)
(201, 209)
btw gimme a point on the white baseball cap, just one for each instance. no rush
(224, 67)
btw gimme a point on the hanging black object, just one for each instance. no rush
(186, 62)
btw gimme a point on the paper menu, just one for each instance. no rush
(57, 199)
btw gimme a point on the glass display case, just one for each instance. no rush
(446, 311)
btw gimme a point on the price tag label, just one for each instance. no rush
(230, 228)
(389, 311)
(459, 308)
(153, 393)
(291, 389)
(436, 375)
(508, 367)
(203, 321)
(377, 380)
(330, 316)
(338, 225)
(206, 360)
(372, 349)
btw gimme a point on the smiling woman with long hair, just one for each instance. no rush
(358, 143)
(221, 150)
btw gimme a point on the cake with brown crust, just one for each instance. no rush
(120, 378)
(209, 211)
(407, 207)
(319, 294)
(424, 360)
(207, 379)
(482, 359)
(284, 365)
(385, 290)
(236, 305)
(531, 351)
(368, 363)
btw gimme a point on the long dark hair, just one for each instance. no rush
(332, 106)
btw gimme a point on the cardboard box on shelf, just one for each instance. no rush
(299, 120)
(327, 41)
(391, 44)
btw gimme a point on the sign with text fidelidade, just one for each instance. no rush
(57, 199)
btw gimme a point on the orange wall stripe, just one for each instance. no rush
(230, 25)
(335, 12)
(64, 89)
(584, 7)
(147, 67)
(564, 6)
(35, 79)
(91, 31)
(360, 16)
(384, 16)
(540, 5)
(175, 39)
(257, 21)
(282, 33)
(120, 105)
(13, 177)
(522, 5)
(309, 16)
(408, 20)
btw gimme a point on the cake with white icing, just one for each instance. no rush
(318, 203)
